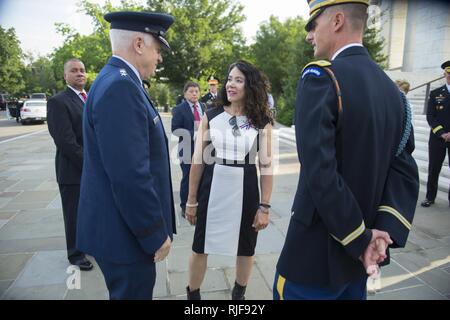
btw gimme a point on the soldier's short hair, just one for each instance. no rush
(356, 13)
(66, 64)
(122, 40)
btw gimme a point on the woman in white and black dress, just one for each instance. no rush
(224, 200)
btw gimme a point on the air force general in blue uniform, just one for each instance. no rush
(126, 209)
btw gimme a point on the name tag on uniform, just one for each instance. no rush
(156, 120)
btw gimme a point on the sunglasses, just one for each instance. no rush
(233, 123)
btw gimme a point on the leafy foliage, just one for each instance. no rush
(375, 44)
(281, 51)
(205, 39)
(39, 76)
(11, 70)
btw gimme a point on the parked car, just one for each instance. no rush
(33, 110)
(38, 96)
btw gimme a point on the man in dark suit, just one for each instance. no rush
(359, 184)
(438, 117)
(185, 121)
(210, 98)
(126, 212)
(64, 118)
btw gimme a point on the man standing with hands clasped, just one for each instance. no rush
(438, 117)
(358, 184)
(64, 118)
(126, 212)
(211, 97)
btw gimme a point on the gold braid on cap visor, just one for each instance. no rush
(315, 5)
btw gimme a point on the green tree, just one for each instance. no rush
(39, 76)
(375, 45)
(281, 52)
(205, 38)
(11, 65)
(161, 94)
(94, 49)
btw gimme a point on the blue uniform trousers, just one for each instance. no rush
(129, 281)
(284, 289)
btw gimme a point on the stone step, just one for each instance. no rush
(420, 122)
(421, 127)
(421, 135)
(423, 167)
(286, 133)
(421, 138)
(421, 153)
(443, 185)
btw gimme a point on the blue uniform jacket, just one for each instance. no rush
(126, 208)
(438, 114)
(351, 180)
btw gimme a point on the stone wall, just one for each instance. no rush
(417, 34)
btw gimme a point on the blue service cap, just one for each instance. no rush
(153, 23)
(317, 7)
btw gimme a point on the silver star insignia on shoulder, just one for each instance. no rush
(123, 72)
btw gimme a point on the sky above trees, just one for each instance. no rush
(34, 20)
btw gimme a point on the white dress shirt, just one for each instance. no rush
(130, 65)
(346, 47)
(78, 93)
(199, 108)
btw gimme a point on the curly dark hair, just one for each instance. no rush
(256, 106)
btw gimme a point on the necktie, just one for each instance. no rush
(196, 114)
(83, 95)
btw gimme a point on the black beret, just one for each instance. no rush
(153, 23)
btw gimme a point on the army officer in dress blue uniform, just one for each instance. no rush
(126, 210)
(438, 117)
(210, 98)
(358, 183)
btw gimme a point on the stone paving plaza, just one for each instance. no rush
(33, 263)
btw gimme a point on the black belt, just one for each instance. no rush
(233, 163)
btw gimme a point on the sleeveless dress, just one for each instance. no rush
(228, 195)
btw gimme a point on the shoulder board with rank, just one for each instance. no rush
(320, 63)
(315, 68)
(318, 68)
(123, 72)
